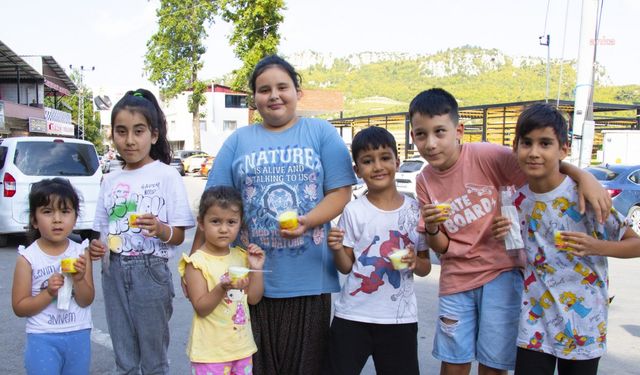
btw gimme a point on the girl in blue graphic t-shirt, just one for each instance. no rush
(287, 163)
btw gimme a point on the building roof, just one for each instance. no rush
(11, 64)
(55, 80)
(60, 77)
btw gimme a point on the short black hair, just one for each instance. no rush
(542, 115)
(372, 138)
(57, 191)
(435, 102)
(221, 196)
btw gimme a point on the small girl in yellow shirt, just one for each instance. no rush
(220, 283)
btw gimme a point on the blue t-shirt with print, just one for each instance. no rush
(277, 170)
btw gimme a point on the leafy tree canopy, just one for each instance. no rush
(255, 33)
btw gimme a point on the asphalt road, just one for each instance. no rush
(624, 320)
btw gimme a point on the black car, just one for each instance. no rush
(177, 163)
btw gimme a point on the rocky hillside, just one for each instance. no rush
(381, 82)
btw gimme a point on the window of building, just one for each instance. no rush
(229, 125)
(235, 101)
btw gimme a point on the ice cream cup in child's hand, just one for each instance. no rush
(68, 265)
(445, 209)
(396, 259)
(288, 220)
(237, 273)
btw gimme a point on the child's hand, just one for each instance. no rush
(581, 243)
(54, 284)
(97, 249)
(299, 231)
(226, 284)
(81, 268)
(241, 283)
(256, 257)
(336, 235)
(149, 223)
(500, 227)
(432, 217)
(410, 258)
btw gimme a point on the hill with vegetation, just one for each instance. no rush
(374, 83)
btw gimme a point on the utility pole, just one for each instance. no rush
(545, 40)
(81, 98)
(583, 126)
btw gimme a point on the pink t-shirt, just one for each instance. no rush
(471, 185)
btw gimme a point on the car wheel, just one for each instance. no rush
(634, 217)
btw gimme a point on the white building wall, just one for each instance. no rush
(9, 92)
(179, 121)
(213, 116)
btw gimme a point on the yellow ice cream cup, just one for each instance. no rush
(288, 220)
(68, 265)
(132, 219)
(237, 273)
(561, 244)
(444, 208)
(396, 259)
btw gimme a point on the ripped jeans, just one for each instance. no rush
(481, 324)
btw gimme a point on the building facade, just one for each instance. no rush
(224, 111)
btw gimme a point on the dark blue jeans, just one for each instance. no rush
(138, 294)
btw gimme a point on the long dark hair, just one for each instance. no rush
(144, 102)
(57, 191)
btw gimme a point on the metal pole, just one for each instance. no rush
(545, 40)
(81, 99)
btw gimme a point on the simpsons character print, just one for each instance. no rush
(125, 199)
(278, 180)
(565, 298)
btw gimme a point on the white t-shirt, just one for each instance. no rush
(154, 188)
(565, 299)
(51, 319)
(374, 292)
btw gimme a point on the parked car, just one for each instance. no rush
(26, 160)
(177, 163)
(206, 166)
(183, 154)
(623, 184)
(407, 173)
(193, 162)
(110, 165)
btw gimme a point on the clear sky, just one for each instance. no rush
(112, 35)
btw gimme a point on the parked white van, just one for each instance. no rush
(26, 160)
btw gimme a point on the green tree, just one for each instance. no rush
(255, 33)
(70, 104)
(174, 52)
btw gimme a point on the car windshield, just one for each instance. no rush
(602, 174)
(410, 166)
(55, 159)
